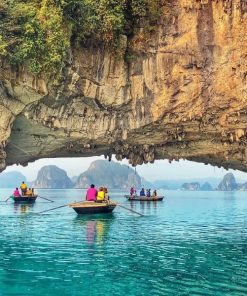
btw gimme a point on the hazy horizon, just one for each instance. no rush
(160, 170)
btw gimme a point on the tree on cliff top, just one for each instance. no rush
(38, 34)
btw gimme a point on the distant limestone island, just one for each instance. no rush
(228, 183)
(114, 175)
(110, 174)
(52, 177)
(101, 173)
(195, 186)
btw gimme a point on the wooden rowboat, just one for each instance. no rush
(91, 207)
(144, 198)
(25, 198)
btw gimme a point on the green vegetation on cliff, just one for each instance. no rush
(38, 33)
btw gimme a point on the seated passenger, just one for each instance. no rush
(106, 194)
(91, 193)
(132, 191)
(101, 195)
(29, 192)
(142, 192)
(148, 194)
(16, 193)
(154, 194)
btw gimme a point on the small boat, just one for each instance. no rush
(91, 207)
(25, 198)
(144, 198)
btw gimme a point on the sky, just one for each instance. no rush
(160, 170)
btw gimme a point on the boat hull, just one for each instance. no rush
(144, 198)
(93, 208)
(25, 199)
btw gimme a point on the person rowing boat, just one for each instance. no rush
(23, 188)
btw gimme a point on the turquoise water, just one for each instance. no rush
(192, 243)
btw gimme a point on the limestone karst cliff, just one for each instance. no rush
(52, 177)
(181, 92)
(109, 174)
(228, 183)
(12, 179)
(206, 187)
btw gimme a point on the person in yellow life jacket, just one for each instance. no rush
(29, 192)
(100, 195)
(23, 188)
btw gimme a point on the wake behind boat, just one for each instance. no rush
(144, 198)
(91, 207)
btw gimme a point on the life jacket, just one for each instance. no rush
(101, 195)
(23, 186)
(16, 193)
(29, 192)
(91, 194)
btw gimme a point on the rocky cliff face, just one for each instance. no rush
(243, 187)
(51, 176)
(206, 187)
(182, 93)
(191, 186)
(12, 179)
(109, 174)
(228, 183)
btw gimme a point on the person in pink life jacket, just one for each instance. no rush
(16, 193)
(132, 191)
(91, 193)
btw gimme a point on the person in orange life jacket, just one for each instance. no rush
(29, 192)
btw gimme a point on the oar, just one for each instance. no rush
(63, 206)
(130, 210)
(53, 209)
(45, 198)
(8, 199)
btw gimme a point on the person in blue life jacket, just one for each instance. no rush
(142, 192)
(148, 193)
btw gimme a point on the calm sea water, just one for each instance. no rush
(192, 243)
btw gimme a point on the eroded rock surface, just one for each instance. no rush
(228, 183)
(182, 93)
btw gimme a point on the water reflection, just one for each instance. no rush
(96, 230)
(146, 207)
(22, 208)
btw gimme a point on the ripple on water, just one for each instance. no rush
(187, 245)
